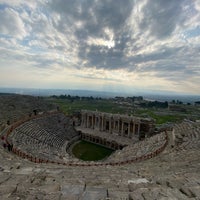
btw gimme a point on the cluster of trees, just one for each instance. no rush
(156, 104)
(69, 97)
(177, 102)
(143, 103)
(134, 98)
(72, 98)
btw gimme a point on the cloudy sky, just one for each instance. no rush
(106, 45)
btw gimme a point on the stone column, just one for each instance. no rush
(138, 128)
(102, 128)
(92, 121)
(99, 124)
(122, 131)
(82, 120)
(110, 127)
(118, 127)
(133, 128)
(172, 137)
(85, 121)
(88, 121)
(129, 129)
(96, 121)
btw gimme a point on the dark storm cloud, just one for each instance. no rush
(103, 57)
(161, 17)
(95, 16)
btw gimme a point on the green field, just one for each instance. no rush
(90, 152)
(160, 119)
(106, 105)
(103, 105)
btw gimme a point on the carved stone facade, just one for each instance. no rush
(122, 125)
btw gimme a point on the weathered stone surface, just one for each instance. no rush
(72, 191)
(54, 196)
(4, 177)
(186, 191)
(195, 191)
(50, 188)
(138, 194)
(94, 193)
(118, 195)
(24, 170)
(7, 189)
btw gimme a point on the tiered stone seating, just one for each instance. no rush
(187, 135)
(170, 175)
(39, 138)
(138, 149)
(57, 125)
(15, 107)
(43, 137)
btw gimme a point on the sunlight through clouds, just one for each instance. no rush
(135, 45)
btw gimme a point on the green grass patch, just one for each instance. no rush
(108, 106)
(90, 152)
(168, 118)
(160, 119)
(69, 107)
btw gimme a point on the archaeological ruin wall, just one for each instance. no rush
(122, 125)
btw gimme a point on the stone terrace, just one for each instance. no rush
(139, 149)
(15, 107)
(186, 135)
(44, 137)
(173, 174)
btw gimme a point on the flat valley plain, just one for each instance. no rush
(142, 108)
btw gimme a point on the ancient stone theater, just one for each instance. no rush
(114, 130)
(36, 161)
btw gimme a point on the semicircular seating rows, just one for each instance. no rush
(41, 139)
(187, 135)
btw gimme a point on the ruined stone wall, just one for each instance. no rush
(123, 125)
